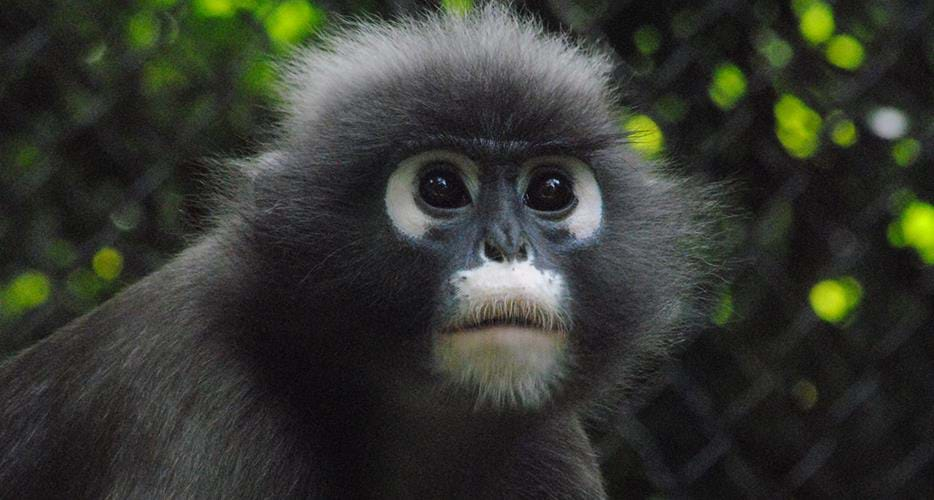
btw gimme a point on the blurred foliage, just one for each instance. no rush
(834, 299)
(644, 135)
(817, 377)
(727, 86)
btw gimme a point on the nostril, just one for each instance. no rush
(523, 253)
(493, 252)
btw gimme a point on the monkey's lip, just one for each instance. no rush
(512, 338)
(503, 329)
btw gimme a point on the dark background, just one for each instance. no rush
(816, 379)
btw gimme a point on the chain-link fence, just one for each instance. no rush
(817, 379)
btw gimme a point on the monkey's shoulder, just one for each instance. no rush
(144, 396)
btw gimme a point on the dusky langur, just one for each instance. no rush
(446, 258)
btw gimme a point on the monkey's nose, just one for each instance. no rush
(499, 251)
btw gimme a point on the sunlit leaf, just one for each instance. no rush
(215, 8)
(107, 263)
(644, 135)
(292, 21)
(727, 86)
(816, 22)
(843, 133)
(460, 7)
(797, 126)
(915, 228)
(844, 51)
(906, 151)
(27, 291)
(833, 300)
(143, 30)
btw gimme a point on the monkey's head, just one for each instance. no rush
(452, 200)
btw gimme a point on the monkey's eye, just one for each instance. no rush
(549, 191)
(440, 187)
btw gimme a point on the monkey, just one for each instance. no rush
(445, 260)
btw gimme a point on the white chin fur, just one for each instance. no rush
(507, 366)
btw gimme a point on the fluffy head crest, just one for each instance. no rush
(479, 64)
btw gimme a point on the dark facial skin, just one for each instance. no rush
(289, 352)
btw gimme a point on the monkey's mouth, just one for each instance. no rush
(507, 314)
(508, 322)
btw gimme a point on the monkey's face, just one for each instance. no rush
(455, 203)
(505, 227)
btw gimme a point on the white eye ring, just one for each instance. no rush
(402, 189)
(586, 216)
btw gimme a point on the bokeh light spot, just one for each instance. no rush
(724, 310)
(143, 30)
(85, 285)
(834, 299)
(27, 291)
(292, 21)
(888, 122)
(644, 135)
(797, 126)
(775, 50)
(844, 51)
(107, 263)
(647, 39)
(728, 85)
(460, 7)
(26, 157)
(127, 218)
(215, 8)
(161, 75)
(906, 151)
(843, 133)
(915, 228)
(816, 21)
(805, 394)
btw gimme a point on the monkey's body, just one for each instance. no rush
(169, 405)
(445, 260)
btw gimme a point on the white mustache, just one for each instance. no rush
(508, 293)
(514, 310)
